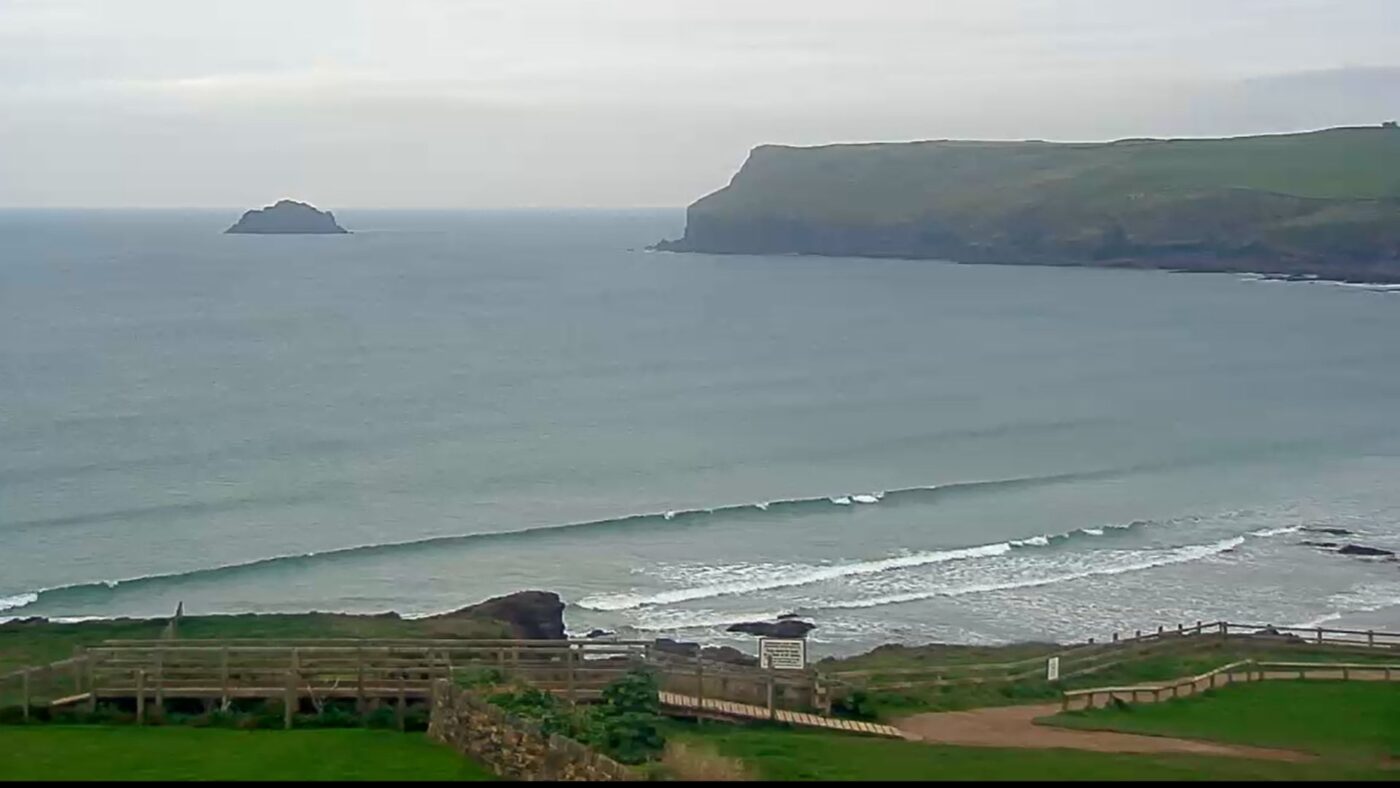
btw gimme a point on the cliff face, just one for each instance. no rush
(288, 217)
(1325, 203)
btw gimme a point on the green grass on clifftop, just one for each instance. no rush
(775, 753)
(1359, 719)
(179, 754)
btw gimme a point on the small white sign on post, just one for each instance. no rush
(1052, 669)
(782, 653)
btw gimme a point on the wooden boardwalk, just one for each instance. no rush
(744, 711)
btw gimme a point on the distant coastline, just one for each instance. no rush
(1321, 205)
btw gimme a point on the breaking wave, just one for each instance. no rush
(689, 516)
(1166, 557)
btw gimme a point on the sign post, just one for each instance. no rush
(1052, 669)
(782, 653)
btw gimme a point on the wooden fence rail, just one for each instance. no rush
(390, 668)
(1243, 670)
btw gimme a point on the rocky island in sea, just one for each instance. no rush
(1323, 204)
(288, 217)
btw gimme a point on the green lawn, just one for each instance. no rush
(787, 754)
(1331, 718)
(127, 753)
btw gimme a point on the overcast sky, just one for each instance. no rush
(620, 103)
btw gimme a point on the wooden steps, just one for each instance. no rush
(744, 711)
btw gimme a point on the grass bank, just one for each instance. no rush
(776, 753)
(169, 754)
(1336, 719)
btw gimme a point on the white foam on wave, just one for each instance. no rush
(1092, 531)
(865, 498)
(18, 600)
(1362, 599)
(841, 501)
(1175, 555)
(1034, 541)
(761, 506)
(1267, 532)
(801, 577)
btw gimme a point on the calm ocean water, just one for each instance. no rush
(443, 407)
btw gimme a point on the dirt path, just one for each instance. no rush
(1012, 726)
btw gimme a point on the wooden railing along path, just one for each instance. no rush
(373, 671)
(1245, 670)
(1097, 655)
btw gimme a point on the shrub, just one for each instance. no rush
(476, 678)
(381, 718)
(628, 722)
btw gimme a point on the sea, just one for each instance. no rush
(444, 406)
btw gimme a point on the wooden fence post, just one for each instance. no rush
(160, 682)
(699, 681)
(24, 692)
(771, 713)
(402, 700)
(91, 683)
(223, 678)
(140, 697)
(1319, 634)
(569, 659)
(359, 680)
(289, 700)
(77, 670)
(1371, 638)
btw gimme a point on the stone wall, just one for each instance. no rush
(513, 748)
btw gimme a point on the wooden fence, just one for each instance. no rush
(401, 670)
(1097, 655)
(1244, 670)
(371, 672)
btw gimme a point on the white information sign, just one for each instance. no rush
(782, 653)
(1052, 669)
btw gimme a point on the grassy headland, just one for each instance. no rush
(1324, 203)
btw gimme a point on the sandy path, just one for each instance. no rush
(1012, 726)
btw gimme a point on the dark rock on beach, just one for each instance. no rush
(722, 654)
(786, 628)
(1363, 550)
(287, 217)
(600, 633)
(535, 615)
(1326, 545)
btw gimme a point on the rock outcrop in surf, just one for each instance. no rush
(287, 217)
(533, 615)
(784, 628)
